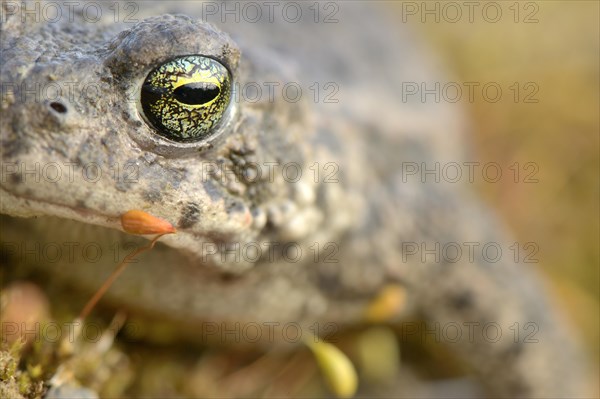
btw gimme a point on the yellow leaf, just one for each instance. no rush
(337, 369)
(389, 303)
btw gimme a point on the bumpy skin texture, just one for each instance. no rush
(204, 189)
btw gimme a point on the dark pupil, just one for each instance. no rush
(196, 93)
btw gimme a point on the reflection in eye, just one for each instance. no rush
(184, 99)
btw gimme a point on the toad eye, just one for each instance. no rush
(184, 99)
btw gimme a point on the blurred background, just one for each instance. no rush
(553, 45)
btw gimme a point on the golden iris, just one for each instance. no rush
(184, 99)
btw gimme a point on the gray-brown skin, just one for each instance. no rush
(367, 214)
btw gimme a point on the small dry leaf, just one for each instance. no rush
(140, 222)
(337, 369)
(23, 307)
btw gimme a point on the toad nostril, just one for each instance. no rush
(58, 107)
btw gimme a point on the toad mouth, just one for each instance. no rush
(182, 240)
